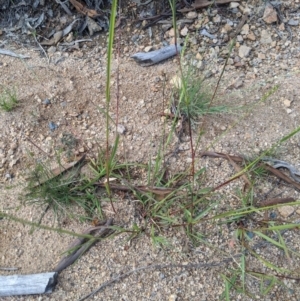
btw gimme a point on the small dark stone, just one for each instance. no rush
(52, 126)
(250, 234)
(46, 102)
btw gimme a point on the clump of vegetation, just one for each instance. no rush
(69, 143)
(192, 99)
(8, 100)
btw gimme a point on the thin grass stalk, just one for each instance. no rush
(173, 8)
(118, 66)
(108, 75)
(217, 87)
(44, 227)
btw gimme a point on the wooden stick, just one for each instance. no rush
(33, 284)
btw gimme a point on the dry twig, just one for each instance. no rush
(155, 267)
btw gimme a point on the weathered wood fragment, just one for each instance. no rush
(33, 284)
(156, 56)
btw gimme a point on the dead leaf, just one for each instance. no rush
(55, 39)
(84, 10)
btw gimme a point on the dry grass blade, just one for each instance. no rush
(280, 175)
(156, 190)
(83, 247)
(238, 170)
(59, 171)
(276, 201)
(236, 159)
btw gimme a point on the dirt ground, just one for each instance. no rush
(74, 83)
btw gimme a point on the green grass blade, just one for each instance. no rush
(270, 240)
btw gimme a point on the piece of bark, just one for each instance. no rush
(153, 57)
(33, 284)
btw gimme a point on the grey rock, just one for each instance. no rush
(238, 83)
(46, 101)
(51, 49)
(244, 51)
(13, 162)
(293, 22)
(207, 73)
(270, 14)
(265, 37)
(92, 26)
(200, 65)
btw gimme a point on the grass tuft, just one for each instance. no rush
(8, 100)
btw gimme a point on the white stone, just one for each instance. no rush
(121, 129)
(192, 15)
(184, 31)
(244, 51)
(287, 103)
(148, 48)
(286, 211)
(233, 5)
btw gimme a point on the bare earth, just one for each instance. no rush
(75, 87)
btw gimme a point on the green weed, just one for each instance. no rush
(8, 100)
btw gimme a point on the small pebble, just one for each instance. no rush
(286, 211)
(52, 126)
(46, 101)
(121, 129)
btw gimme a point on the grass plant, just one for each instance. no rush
(8, 100)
